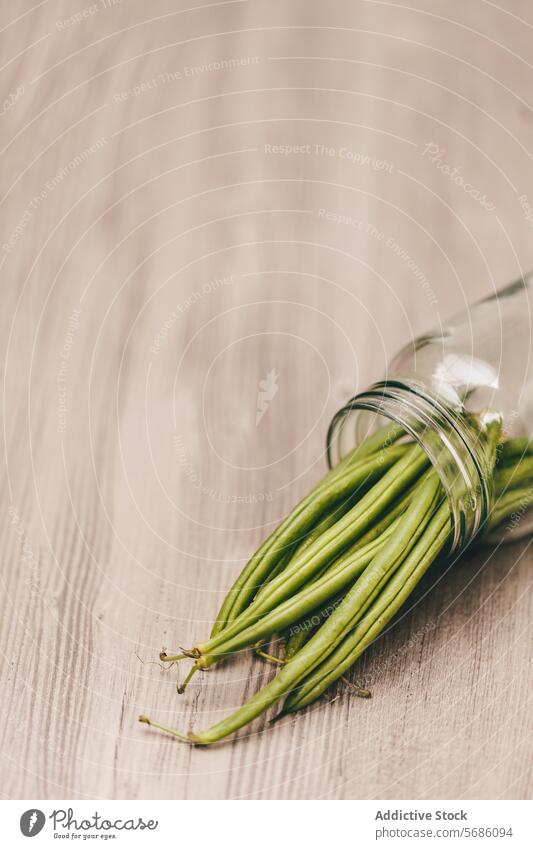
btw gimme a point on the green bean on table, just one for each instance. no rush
(346, 559)
(333, 488)
(353, 524)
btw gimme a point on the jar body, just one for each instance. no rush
(448, 388)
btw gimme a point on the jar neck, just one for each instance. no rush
(459, 448)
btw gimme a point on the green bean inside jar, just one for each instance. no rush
(422, 464)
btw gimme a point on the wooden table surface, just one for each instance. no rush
(202, 207)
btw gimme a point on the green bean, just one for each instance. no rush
(383, 438)
(513, 500)
(289, 581)
(515, 475)
(396, 509)
(326, 639)
(359, 519)
(514, 449)
(311, 596)
(325, 523)
(510, 491)
(346, 568)
(353, 524)
(379, 614)
(401, 542)
(301, 631)
(348, 555)
(235, 599)
(304, 629)
(334, 487)
(281, 565)
(329, 520)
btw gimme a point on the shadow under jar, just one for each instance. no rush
(450, 389)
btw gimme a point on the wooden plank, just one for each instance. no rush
(192, 201)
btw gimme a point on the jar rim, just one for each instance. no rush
(454, 446)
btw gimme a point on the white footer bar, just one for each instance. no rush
(268, 824)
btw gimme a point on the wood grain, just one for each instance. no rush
(192, 198)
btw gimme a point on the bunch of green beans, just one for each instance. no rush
(340, 566)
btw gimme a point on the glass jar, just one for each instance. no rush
(450, 389)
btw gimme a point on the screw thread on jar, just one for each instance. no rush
(461, 447)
